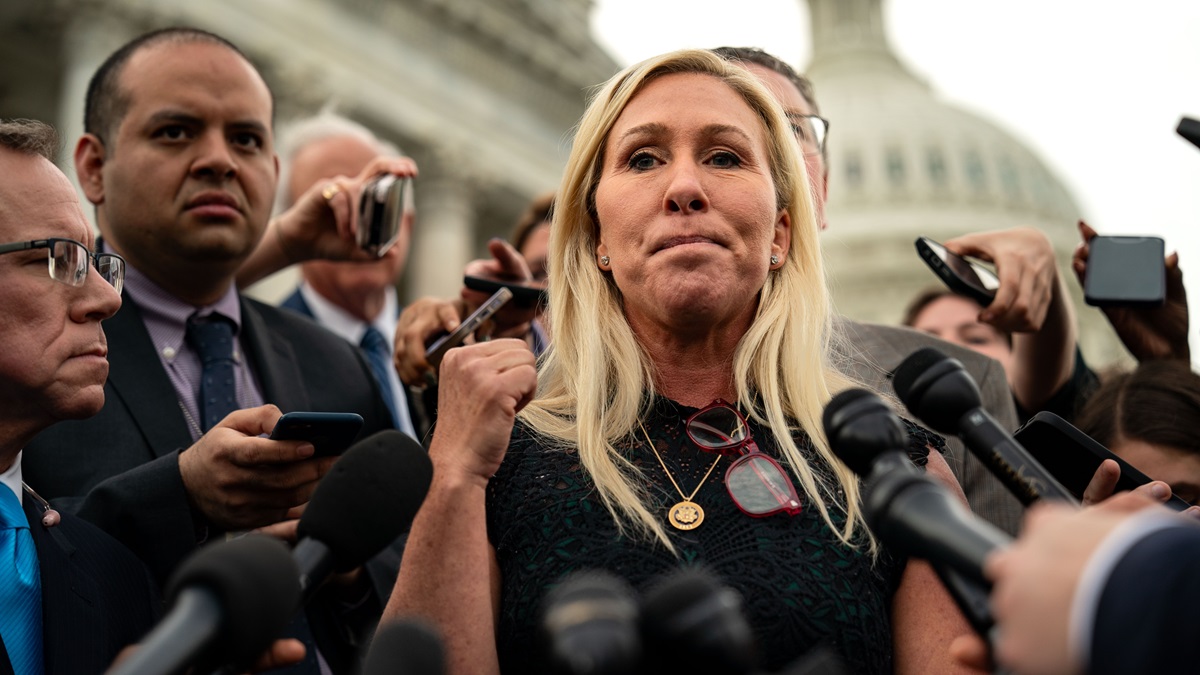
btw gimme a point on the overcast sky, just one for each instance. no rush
(1093, 87)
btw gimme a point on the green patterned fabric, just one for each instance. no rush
(800, 586)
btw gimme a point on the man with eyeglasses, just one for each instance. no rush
(178, 158)
(874, 350)
(70, 595)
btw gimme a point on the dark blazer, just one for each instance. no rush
(421, 404)
(872, 352)
(120, 468)
(97, 597)
(1146, 618)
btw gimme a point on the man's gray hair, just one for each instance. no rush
(299, 134)
(29, 137)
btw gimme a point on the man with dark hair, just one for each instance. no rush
(181, 168)
(70, 596)
(874, 351)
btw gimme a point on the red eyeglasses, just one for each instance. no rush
(758, 485)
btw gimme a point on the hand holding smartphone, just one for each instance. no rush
(438, 349)
(962, 275)
(525, 295)
(330, 433)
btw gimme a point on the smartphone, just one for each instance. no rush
(385, 201)
(962, 275)
(1125, 272)
(524, 295)
(1072, 456)
(438, 349)
(330, 433)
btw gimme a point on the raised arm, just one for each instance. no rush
(449, 575)
(1032, 304)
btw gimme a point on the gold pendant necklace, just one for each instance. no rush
(686, 515)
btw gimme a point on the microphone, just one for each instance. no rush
(590, 625)
(939, 391)
(228, 602)
(1189, 129)
(366, 501)
(903, 507)
(405, 647)
(692, 623)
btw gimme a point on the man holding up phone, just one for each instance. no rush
(356, 300)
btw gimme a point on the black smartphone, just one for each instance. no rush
(1125, 272)
(523, 294)
(331, 433)
(1072, 456)
(438, 349)
(964, 276)
(385, 200)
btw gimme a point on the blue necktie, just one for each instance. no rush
(20, 588)
(212, 338)
(379, 357)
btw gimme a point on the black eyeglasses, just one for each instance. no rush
(70, 260)
(757, 483)
(810, 130)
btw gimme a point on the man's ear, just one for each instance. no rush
(90, 154)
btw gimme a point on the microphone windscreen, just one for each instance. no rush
(368, 498)
(693, 623)
(913, 367)
(590, 622)
(405, 647)
(1189, 129)
(257, 586)
(860, 427)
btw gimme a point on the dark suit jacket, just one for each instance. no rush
(872, 353)
(120, 468)
(97, 597)
(420, 404)
(1146, 617)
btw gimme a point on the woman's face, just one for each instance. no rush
(956, 319)
(686, 204)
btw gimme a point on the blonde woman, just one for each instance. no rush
(687, 295)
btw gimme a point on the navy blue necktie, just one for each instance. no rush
(379, 357)
(212, 338)
(20, 588)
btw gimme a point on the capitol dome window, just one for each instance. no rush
(854, 173)
(895, 167)
(976, 177)
(935, 164)
(1009, 179)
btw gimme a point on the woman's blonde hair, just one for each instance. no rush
(593, 380)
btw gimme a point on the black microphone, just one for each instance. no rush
(692, 623)
(939, 391)
(405, 647)
(1189, 129)
(366, 501)
(590, 622)
(228, 602)
(903, 507)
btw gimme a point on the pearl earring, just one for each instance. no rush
(774, 260)
(604, 260)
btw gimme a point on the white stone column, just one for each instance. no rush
(444, 234)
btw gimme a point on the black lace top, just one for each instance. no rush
(801, 586)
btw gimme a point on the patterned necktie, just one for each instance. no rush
(379, 357)
(20, 588)
(212, 338)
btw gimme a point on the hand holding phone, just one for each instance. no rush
(524, 294)
(386, 200)
(330, 433)
(962, 275)
(438, 349)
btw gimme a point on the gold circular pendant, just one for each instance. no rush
(686, 515)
